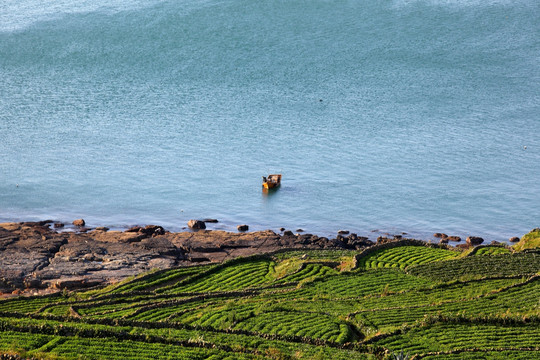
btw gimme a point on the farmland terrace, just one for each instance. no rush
(405, 297)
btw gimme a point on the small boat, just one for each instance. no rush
(272, 181)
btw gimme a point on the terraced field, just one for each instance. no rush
(429, 302)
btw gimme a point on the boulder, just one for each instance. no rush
(514, 239)
(443, 241)
(454, 238)
(153, 230)
(343, 232)
(288, 233)
(210, 220)
(58, 225)
(474, 240)
(299, 230)
(243, 227)
(196, 224)
(102, 228)
(79, 222)
(440, 235)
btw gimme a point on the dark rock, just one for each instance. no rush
(153, 230)
(33, 283)
(514, 239)
(58, 225)
(282, 229)
(398, 237)
(454, 238)
(474, 240)
(83, 229)
(343, 232)
(443, 241)
(305, 239)
(288, 233)
(352, 237)
(463, 246)
(79, 222)
(196, 224)
(440, 235)
(299, 230)
(495, 243)
(134, 229)
(384, 240)
(102, 228)
(242, 227)
(76, 283)
(210, 220)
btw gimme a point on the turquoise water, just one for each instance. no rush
(397, 116)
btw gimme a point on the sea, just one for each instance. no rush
(384, 116)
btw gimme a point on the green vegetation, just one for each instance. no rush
(401, 302)
(529, 241)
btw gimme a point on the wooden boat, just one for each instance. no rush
(272, 181)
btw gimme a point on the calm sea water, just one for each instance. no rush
(398, 116)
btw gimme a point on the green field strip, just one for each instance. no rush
(479, 266)
(28, 304)
(357, 284)
(114, 349)
(445, 337)
(295, 323)
(484, 355)
(435, 295)
(13, 341)
(309, 271)
(149, 281)
(403, 256)
(490, 250)
(519, 299)
(226, 278)
(252, 343)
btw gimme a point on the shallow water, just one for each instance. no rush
(399, 116)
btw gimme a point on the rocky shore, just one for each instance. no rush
(38, 257)
(41, 257)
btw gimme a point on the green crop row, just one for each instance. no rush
(357, 284)
(233, 277)
(311, 325)
(441, 337)
(478, 355)
(479, 266)
(309, 271)
(436, 295)
(522, 299)
(403, 256)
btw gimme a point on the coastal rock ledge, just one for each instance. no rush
(35, 257)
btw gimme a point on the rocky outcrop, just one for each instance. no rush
(242, 227)
(79, 222)
(196, 224)
(474, 240)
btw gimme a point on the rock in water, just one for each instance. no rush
(242, 227)
(474, 240)
(79, 222)
(196, 224)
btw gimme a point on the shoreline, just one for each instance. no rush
(332, 228)
(47, 256)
